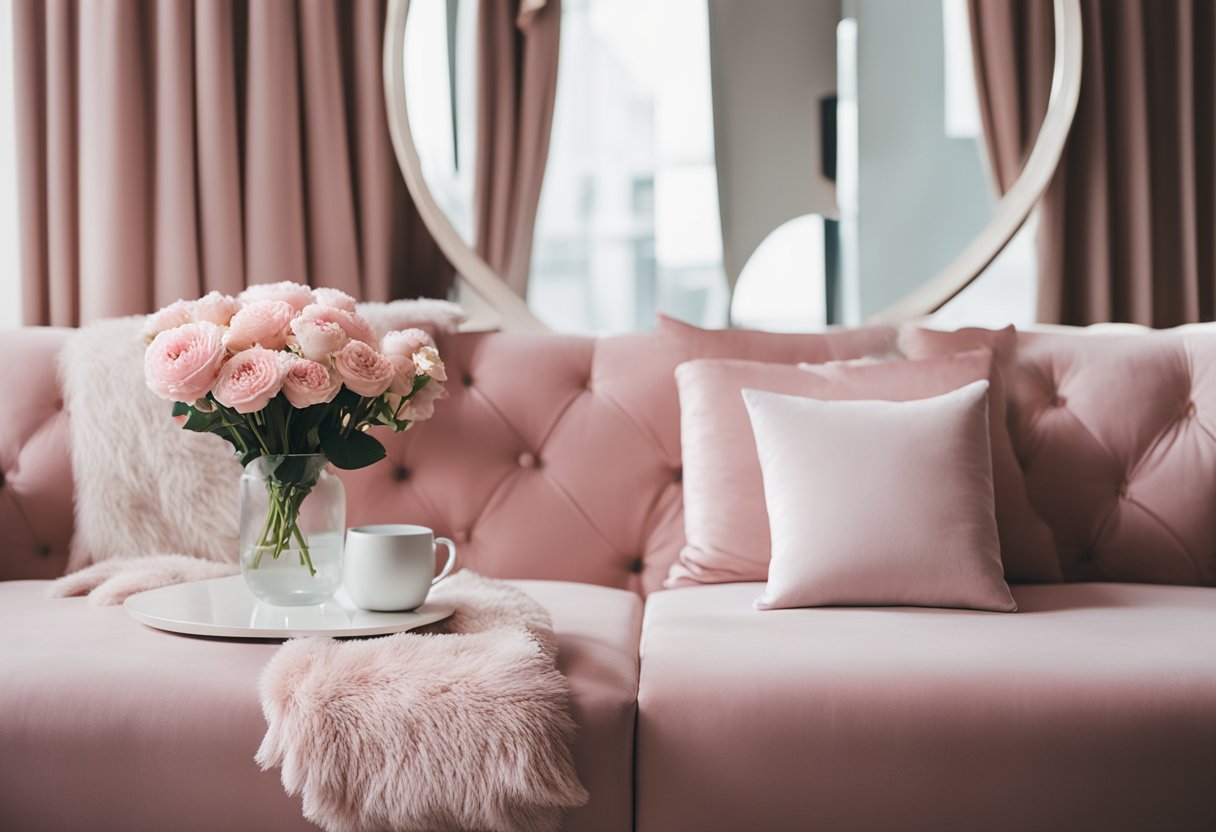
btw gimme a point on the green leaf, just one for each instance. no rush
(180, 409)
(355, 450)
(199, 421)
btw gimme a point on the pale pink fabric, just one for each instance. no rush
(148, 731)
(168, 149)
(517, 57)
(1118, 436)
(726, 525)
(1027, 545)
(1092, 708)
(879, 503)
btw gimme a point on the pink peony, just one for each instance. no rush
(215, 308)
(422, 406)
(428, 362)
(364, 370)
(399, 348)
(170, 317)
(263, 323)
(182, 363)
(355, 327)
(317, 336)
(308, 383)
(405, 342)
(295, 295)
(334, 298)
(250, 379)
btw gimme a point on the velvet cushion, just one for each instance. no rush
(725, 521)
(879, 503)
(1027, 542)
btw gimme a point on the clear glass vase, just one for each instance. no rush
(293, 519)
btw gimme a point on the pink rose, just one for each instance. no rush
(182, 363)
(317, 336)
(295, 295)
(355, 327)
(250, 379)
(334, 298)
(170, 317)
(422, 406)
(428, 362)
(308, 383)
(364, 370)
(399, 348)
(263, 323)
(405, 342)
(215, 308)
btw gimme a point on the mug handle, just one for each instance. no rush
(447, 567)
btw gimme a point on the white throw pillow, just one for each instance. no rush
(879, 503)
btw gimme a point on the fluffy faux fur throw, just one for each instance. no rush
(113, 581)
(428, 732)
(143, 485)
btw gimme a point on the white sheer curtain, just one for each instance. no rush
(10, 281)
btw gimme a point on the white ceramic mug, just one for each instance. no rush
(391, 567)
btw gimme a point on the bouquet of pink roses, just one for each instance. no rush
(283, 372)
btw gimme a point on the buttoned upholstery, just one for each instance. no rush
(1117, 435)
(35, 472)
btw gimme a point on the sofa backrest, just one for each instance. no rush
(559, 457)
(1117, 436)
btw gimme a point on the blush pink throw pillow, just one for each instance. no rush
(1027, 542)
(725, 522)
(879, 503)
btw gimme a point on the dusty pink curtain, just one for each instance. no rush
(516, 87)
(1127, 227)
(170, 148)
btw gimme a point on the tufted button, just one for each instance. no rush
(1188, 412)
(635, 566)
(401, 473)
(1123, 490)
(1058, 401)
(528, 460)
(677, 475)
(466, 380)
(460, 536)
(44, 551)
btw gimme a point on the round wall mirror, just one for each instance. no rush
(784, 164)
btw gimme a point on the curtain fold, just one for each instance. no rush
(1126, 228)
(517, 54)
(169, 148)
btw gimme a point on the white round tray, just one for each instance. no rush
(226, 608)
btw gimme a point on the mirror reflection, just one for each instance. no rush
(782, 164)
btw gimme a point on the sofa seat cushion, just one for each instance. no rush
(1092, 708)
(108, 724)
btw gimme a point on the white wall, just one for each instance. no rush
(10, 283)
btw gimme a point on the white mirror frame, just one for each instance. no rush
(1011, 211)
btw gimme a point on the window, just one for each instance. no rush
(631, 183)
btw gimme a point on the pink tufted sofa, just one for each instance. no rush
(1093, 708)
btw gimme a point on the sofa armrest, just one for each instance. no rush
(36, 488)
